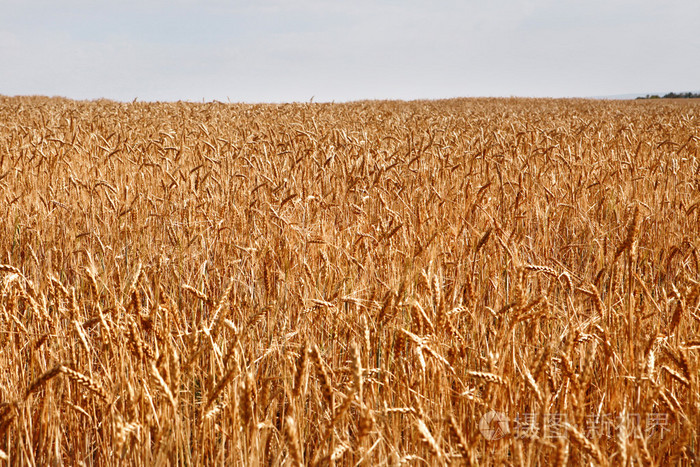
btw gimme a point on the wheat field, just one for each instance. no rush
(460, 282)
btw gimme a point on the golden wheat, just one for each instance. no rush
(362, 283)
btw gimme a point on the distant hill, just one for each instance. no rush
(619, 96)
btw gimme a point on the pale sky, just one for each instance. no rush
(282, 51)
